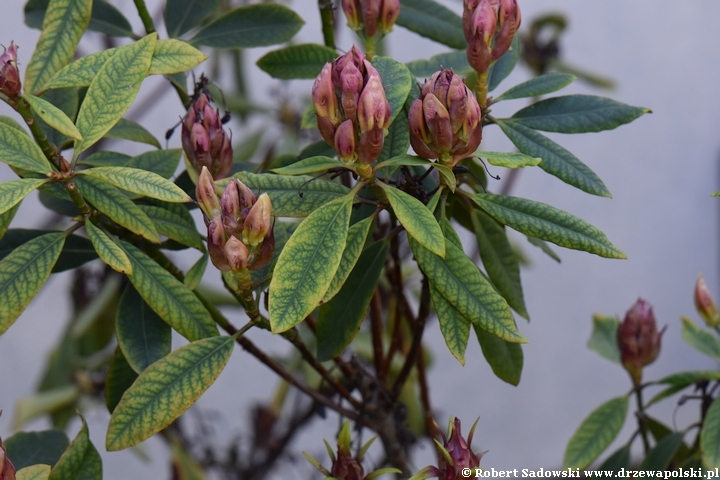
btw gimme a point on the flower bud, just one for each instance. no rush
(638, 339)
(216, 244)
(489, 27)
(258, 221)
(7, 470)
(204, 140)
(371, 16)
(10, 83)
(705, 304)
(456, 455)
(445, 120)
(236, 254)
(265, 255)
(235, 204)
(350, 102)
(206, 195)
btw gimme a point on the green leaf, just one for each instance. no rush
(106, 159)
(544, 247)
(32, 448)
(48, 401)
(595, 433)
(113, 90)
(176, 304)
(161, 162)
(396, 80)
(432, 20)
(80, 461)
(661, 455)
(340, 319)
(577, 114)
(251, 26)
(34, 472)
(700, 339)
(120, 376)
(417, 219)
(107, 250)
(293, 196)
(616, 461)
(297, 61)
(143, 336)
(710, 437)
(76, 252)
(504, 65)
(455, 60)
(397, 141)
(505, 358)
(175, 222)
(81, 72)
(24, 272)
(404, 160)
(174, 56)
(309, 165)
(107, 19)
(5, 120)
(12, 192)
(139, 181)
(6, 219)
(509, 159)
(20, 151)
(128, 130)
(181, 16)
(110, 201)
(555, 159)
(604, 337)
(547, 223)
(165, 390)
(455, 328)
(53, 116)
(500, 261)
(64, 24)
(196, 272)
(307, 264)
(542, 85)
(357, 235)
(67, 100)
(460, 282)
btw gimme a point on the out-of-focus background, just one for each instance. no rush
(660, 169)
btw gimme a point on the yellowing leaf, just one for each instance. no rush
(12, 192)
(113, 90)
(80, 461)
(165, 390)
(18, 150)
(53, 116)
(33, 472)
(107, 250)
(174, 56)
(139, 181)
(64, 24)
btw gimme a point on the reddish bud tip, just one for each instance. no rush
(236, 254)
(10, 83)
(705, 304)
(206, 195)
(205, 141)
(638, 339)
(258, 221)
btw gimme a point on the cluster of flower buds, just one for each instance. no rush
(456, 456)
(204, 139)
(240, 232)
(705, 304)
(638, 339)
(345, 466)
(489, 27)
(371, 16)
(10, 83)
(351, 107)
(445, 120)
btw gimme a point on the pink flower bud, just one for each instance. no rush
(10, 83)
(350, 101)
(638, 339)
(705, 304)
(206, 195)
(508, 23)
(352, 13)
(445, 120)
(216, 244)
(7, 470)
(345, 141)
(236, 254)
(264, 256)
(258, 221)
(456, 455)
(371, 16)
(204, 140)
(389, 13)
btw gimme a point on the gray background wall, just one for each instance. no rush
(661, 170)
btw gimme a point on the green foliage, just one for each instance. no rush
(456, 60)
(34, 472)
(53, 116)
(108, 251)
(32, 448)
(19, 151)
(296, 61)
(700, 339)
(308, 263)
(397, 82)
(309, 165)
(604, 337)
(504, 65)
(128, 130)
(80, 460)
(505, 358)
(432, 20)
(167, 388)
(544, 84)
(595, 433)
(181, 16)
(139, 181)
(710, 437)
